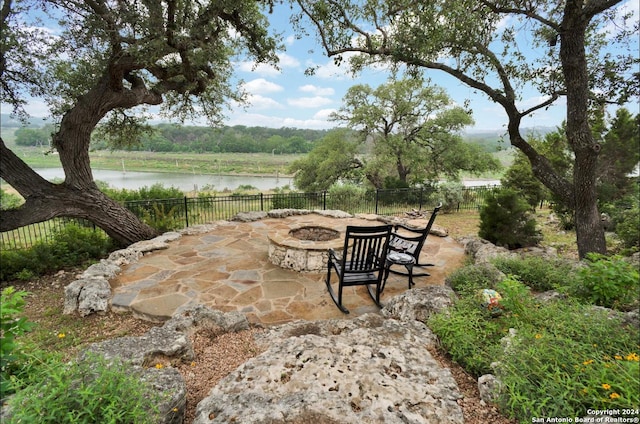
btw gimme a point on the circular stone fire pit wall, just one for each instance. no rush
(304, 248)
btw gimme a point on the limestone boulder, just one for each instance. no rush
(168, 345)
(87, 296)
(283, 213)
(489, 388)
(199, 316)
(249, 216)
(170, 385)
(365, 370)
(483, 251)
(419, 303)
(158, 343)
(105, 269)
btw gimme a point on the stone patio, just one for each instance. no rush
(228, 269)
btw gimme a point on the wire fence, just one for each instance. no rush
(170, 214)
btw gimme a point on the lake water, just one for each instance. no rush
(185, 182)
(195, 182)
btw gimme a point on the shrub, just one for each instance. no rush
(11, 325)
(70, 246)
(506, 220)
(561, 361)
(155, 192)
(472, 278)
(9, 200)
(346, 197)
(162, 217)
(540, 274)
(625, 216)
(468, 334)
(88, 391)
(607, 281)
(451, 195)
(289, 201)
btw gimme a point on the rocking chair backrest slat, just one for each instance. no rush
(365, 248)
(362, 262)
(412, 243)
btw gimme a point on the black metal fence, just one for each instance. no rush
(168, 214)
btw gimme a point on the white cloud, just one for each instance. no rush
(34, 107)
(323, 114)
(319, 91)
(287, 61)
(290, 40)
(284, 61)
(258, 120)
(260, 102)
(261, 86)
(331, 71)
(260, 69)
(309, 102)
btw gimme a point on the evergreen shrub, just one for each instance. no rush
(506, 220)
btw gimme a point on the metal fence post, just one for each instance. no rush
(376, 211)
(261, 202)
(186, 211)
(324, 200)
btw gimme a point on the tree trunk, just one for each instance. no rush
(45, 200)
(589, 229)
(78, 196)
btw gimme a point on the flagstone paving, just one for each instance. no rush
(228, 269)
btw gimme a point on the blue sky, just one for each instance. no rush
(289, 98)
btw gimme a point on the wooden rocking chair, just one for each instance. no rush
(362, 261)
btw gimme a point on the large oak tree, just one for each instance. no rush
(499, 48)
(414, 128)
(111, 59)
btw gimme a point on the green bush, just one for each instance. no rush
(625, 216)
(471, 278)
(451, 195)
(289, 201)
(562, 360)
(607, 281)
(541, 274)
(155, 192)
(163, 218)
(11, 325)
(9, 201)
(70, 246)
(506, 220)
(468, 334)
(89, 391)
(346, 197)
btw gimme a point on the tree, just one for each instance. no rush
(482, 44)
(32, 137)
(334, 158)
(619, 156)
(414, 128)
(111, 59)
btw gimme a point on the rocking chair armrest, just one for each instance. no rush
(334, 255)
(407, 228)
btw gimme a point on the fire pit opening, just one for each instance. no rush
(315, 233)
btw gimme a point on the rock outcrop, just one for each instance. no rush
(366, 370)
(169, 343)
(420, 303)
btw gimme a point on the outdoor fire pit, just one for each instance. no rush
(304, 248)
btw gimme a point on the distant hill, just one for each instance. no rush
(495, 140)
(6, 121)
